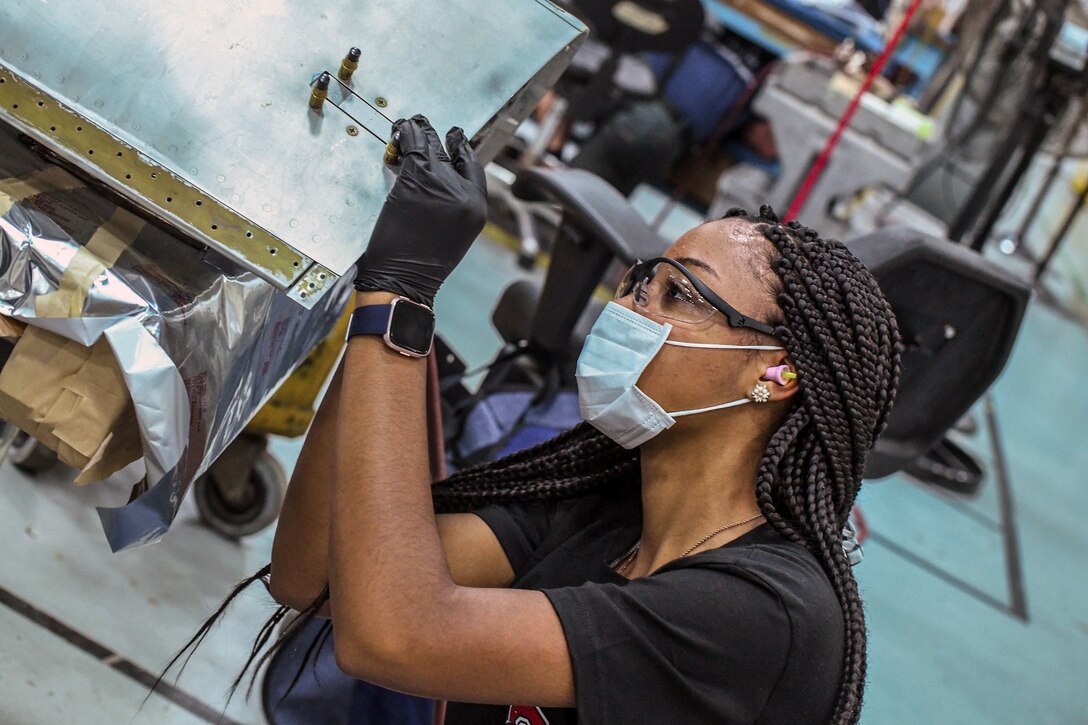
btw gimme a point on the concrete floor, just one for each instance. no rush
(61, 584)
(976, 607)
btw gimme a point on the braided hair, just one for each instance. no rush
(840, 333)
(842, 337)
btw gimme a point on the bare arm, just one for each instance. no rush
(300, 552)
(401, 618)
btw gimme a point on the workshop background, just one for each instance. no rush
(172, 305)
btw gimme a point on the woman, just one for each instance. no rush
(650, 566)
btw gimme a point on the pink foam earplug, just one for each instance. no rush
(779, 374)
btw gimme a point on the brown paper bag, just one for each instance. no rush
(73, 399)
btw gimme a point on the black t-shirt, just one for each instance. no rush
(750, 632)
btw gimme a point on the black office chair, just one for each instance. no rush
(598, 226)
(958, 314)
(546, 326)
(543, 328)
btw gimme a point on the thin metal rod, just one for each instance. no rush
(343, 111)
(353, 118)
(348, 88)
(1037, 129)
(1018, 602)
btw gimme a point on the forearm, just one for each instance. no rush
(300, 552)
(388, 571)
(400, 619)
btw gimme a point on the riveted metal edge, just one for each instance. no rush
(115, 162)
(313, 285)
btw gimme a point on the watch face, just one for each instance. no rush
(411, 327)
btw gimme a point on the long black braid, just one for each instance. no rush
(840, 333)
(842, 336)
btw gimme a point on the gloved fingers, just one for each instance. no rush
(410, 138)
(432, 137)
(418, 142)
(464, 159)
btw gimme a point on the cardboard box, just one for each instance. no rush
(73, 399)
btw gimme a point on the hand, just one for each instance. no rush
(436, 209)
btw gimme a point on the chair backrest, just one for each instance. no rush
(959, 314)
(598, 225)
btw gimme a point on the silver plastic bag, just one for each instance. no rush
(200, 342)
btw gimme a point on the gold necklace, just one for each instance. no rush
(629, 559)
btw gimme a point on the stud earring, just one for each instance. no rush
(760, 393)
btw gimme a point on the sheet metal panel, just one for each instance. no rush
(198, 111)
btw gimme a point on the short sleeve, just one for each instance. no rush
(520, 528)
(692, 645)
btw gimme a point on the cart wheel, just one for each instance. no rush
(260, 505)
(29, 455)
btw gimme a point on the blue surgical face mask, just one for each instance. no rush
(620, 345)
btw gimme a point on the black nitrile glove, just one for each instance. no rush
(436, 209)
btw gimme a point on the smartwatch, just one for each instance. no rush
(406, 326)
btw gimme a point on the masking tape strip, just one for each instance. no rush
(44, 181)
(88, 263)
(50, 179)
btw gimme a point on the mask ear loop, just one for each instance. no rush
(759, 394)
(733, 404)
(716, 346)
(779, 374)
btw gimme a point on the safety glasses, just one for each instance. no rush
(665, 288)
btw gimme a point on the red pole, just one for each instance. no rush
(821, 161)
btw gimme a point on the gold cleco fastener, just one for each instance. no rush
(392, 151)
(320, 91)
(349, 64)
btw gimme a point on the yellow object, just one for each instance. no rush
(392, 153)
(347, 68)
(317, 97)
(44, 181)
(348, 65)
(1080, 181)
(291, 408)
(319, 92)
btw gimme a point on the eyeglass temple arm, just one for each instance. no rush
(736, 317)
